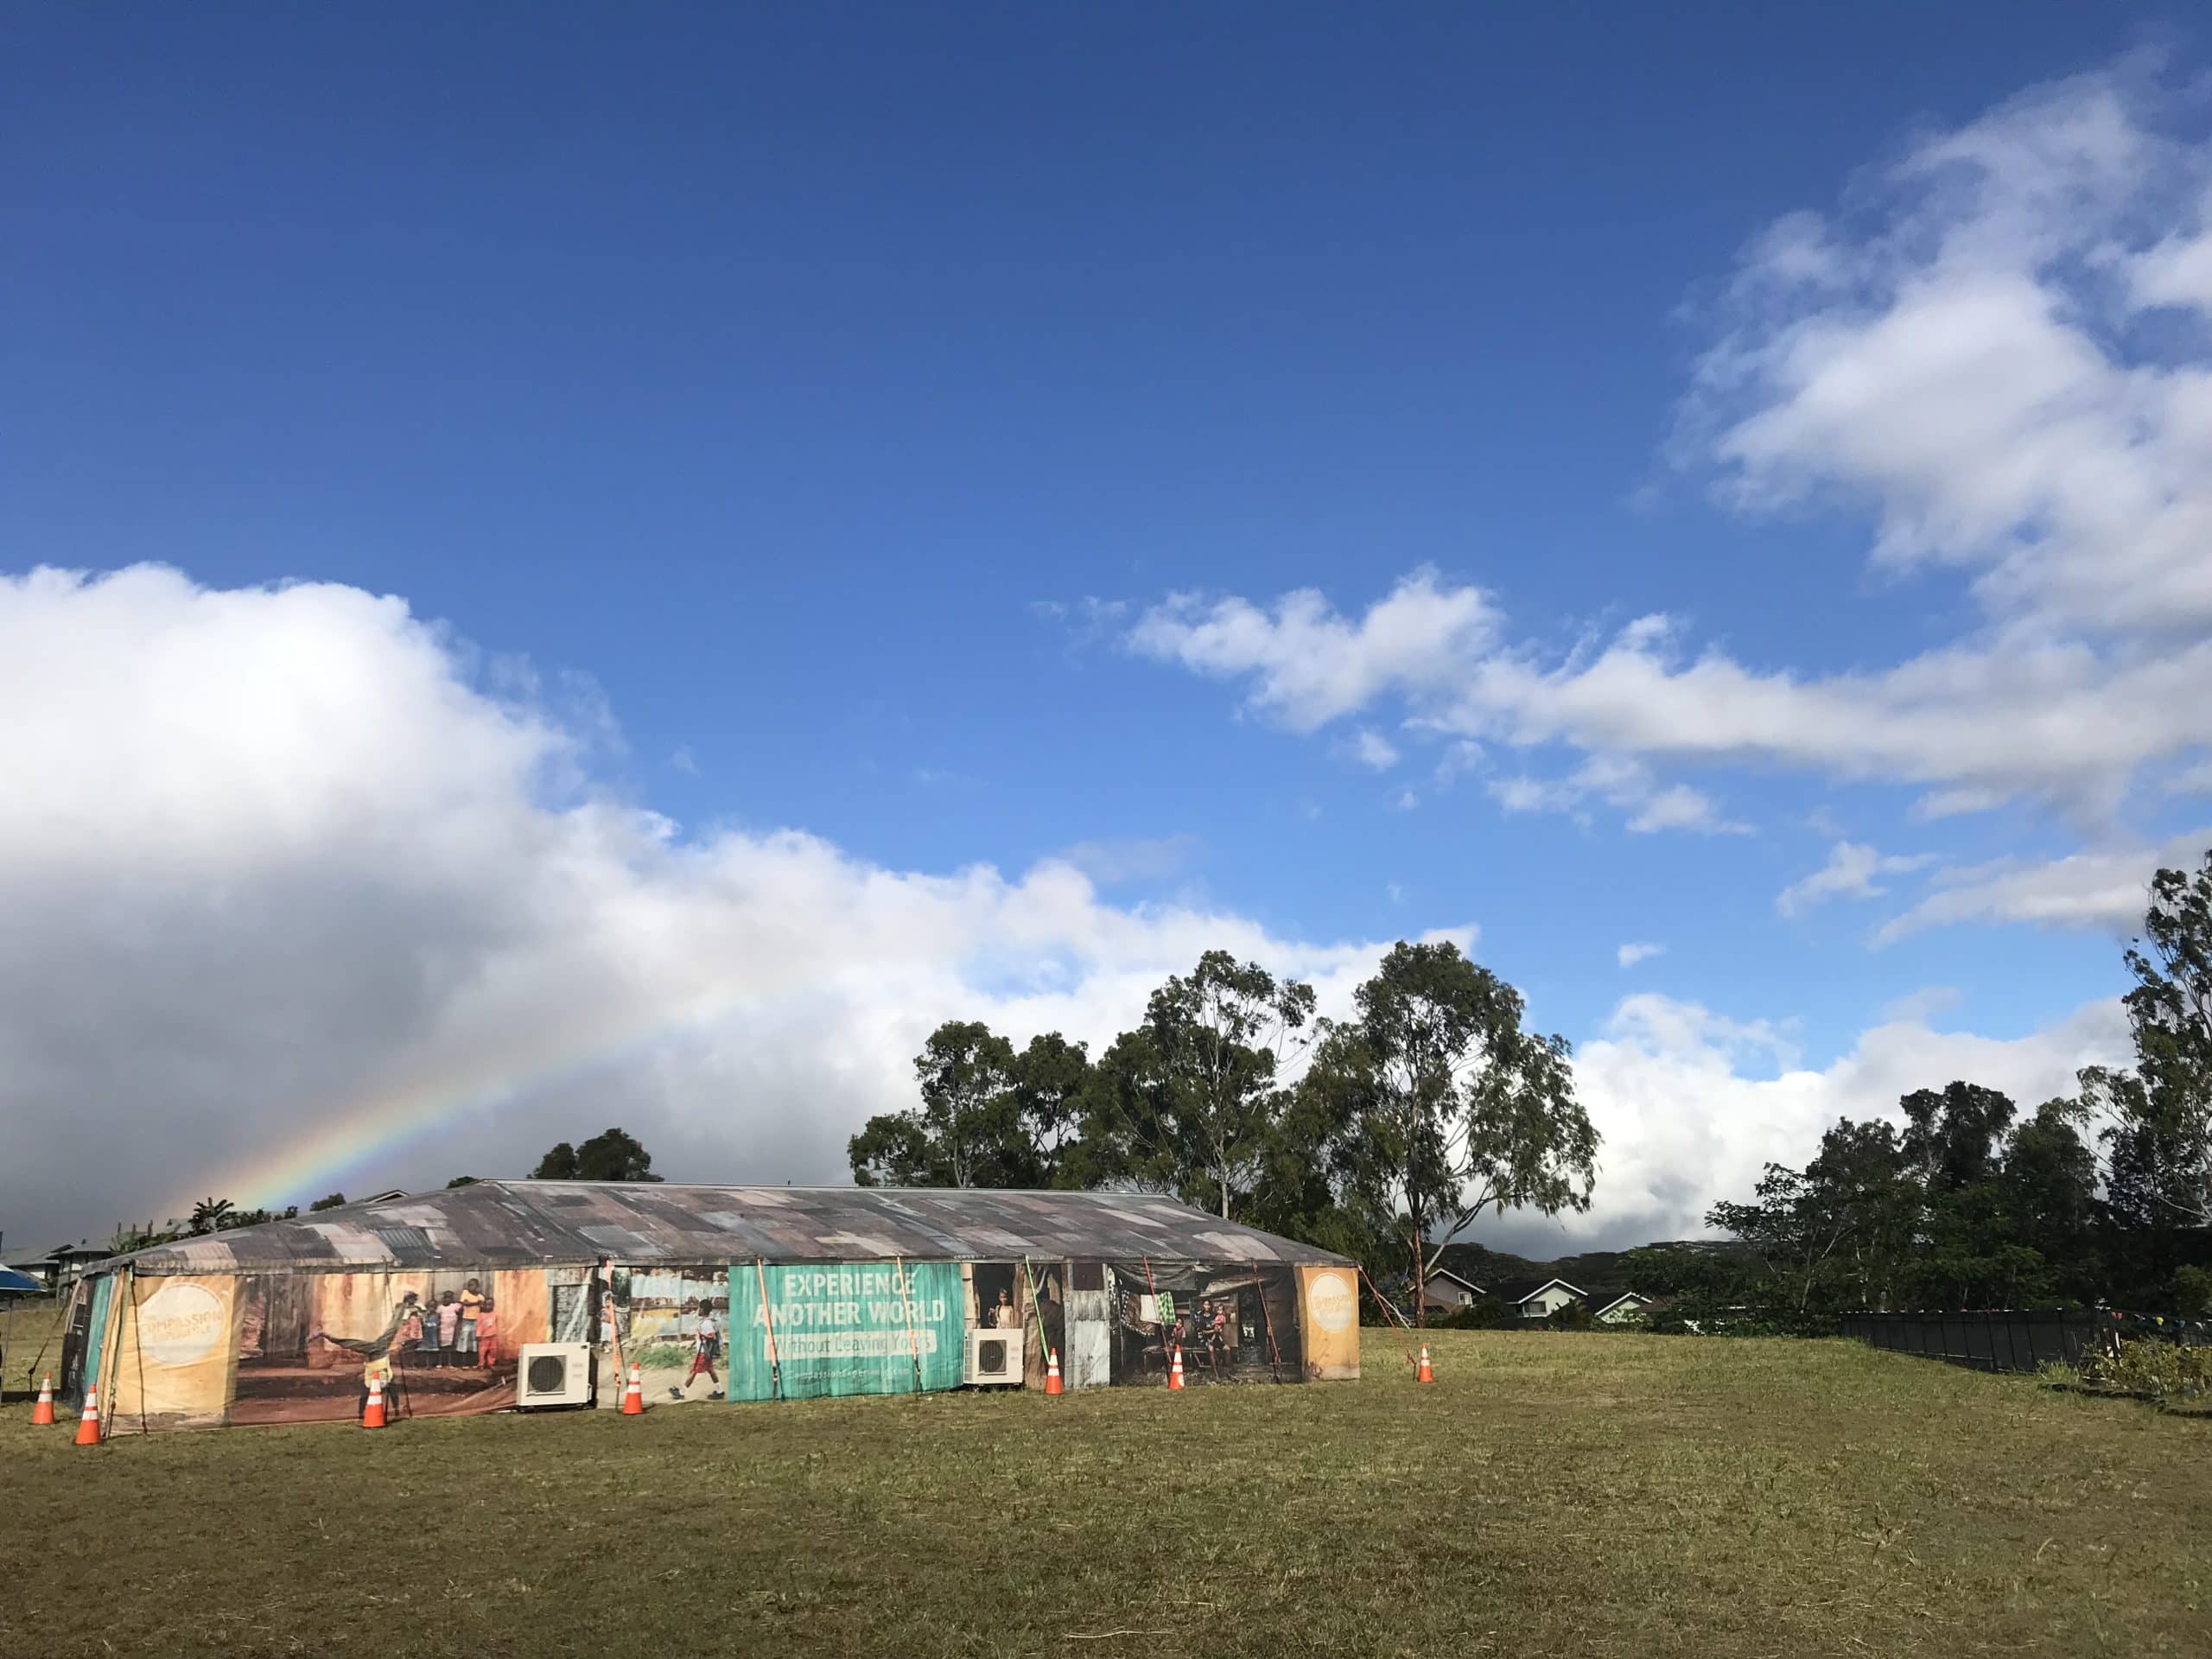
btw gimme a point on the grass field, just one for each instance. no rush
(1551, 1494)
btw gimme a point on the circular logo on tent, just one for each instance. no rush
(1330, 1300)
(180, 1325)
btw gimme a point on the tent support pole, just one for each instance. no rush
(1037, 1312)
(906, 1308)
(1274, 1354)
(768, 1318)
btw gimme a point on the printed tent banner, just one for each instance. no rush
(856, 1327)
(1232, 1321)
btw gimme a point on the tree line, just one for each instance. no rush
(1384, 1135)
(2100, 1197)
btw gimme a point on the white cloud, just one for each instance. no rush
(273, 859)
(1957, 355)
(1921, 1005)
(1134, 858)
(1627, 784)
(1692, 1105)
(320, 876)
(1629, 955)
(1961, 360)
(1850, 873)
(1308, 664)
(1371, 748)
(2107, 889)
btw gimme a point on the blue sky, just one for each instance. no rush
(814, 420)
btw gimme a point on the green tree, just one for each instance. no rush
(2190, 1292)
(330, 1203)
(1862, 1175)
(210, 1215)
(988, 1117)
(2157, 1133)
(1191, 1102)
(1051, 1079)
(1794, 1235)
(1443, 1106)
(2049, 1192)
(610, 1155)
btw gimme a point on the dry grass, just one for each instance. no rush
(1551, 1494)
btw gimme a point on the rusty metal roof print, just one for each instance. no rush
(516, 1224)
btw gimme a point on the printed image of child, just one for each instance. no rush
(487, 1334)
(472, 1299)
(427, 1344)
(448, 1328)
(706, 1348)
(409, 1331)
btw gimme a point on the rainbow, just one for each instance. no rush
(378, 1126)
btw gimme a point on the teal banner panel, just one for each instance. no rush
(96, 1341)
(858, 1327)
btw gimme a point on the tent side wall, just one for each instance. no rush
(1328, 1302)
(175, 1342)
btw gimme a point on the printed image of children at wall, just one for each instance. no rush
(449, 1337)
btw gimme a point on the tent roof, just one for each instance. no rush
(520, 1224)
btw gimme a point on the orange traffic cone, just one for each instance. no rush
(88, 1425)
(1175, 1371)
(1051, 1372)
(43, 1411)
(372, 1413)
(634, 1395)
(1426, 1376)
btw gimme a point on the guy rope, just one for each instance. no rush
(1395, 1317)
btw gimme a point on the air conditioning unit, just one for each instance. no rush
(995, 1358)
(554, 1374)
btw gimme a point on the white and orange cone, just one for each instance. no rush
(88, 1423)
(634, 1394)
(372, 1413)
(1051, 1372)
(1425, 1375)
(1175, 1370)
(43, 1411)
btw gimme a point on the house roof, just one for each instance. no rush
(1459, 1278)
(520, 1224)
(1514, 1291)
(57, 1255)
(1603, 1301)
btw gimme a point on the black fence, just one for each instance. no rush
(2013, 1339)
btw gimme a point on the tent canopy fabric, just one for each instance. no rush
(21, 1283)
(520, 1224)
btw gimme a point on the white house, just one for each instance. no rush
(1617, 1306)
(1538, 1298)
(1446, 1291)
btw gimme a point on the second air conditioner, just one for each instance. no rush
(995, 1359)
